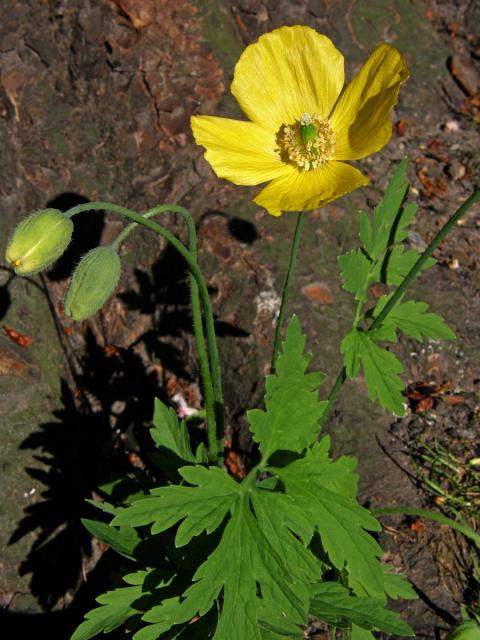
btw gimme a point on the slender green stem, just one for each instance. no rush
(210, 404)
(333, 395)
(209, 322)
(420, 263)
(412, 274)
(203, 291)
(286, 289)
(209, 392)
(358, 313)
(151, 213)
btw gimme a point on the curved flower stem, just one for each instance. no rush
(286, 289)
(216, 412)
(212, 394)
(400, 290)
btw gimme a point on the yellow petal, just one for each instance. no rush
(242, 152)
(288, 72)
(361, 117)
(304, 190)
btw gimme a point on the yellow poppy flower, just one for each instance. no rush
(303, 122)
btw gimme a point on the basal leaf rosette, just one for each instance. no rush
(304, 124)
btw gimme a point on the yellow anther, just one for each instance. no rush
(308, 143)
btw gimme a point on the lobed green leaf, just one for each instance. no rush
(292, 409)
(333, 604)
(320, 487)
(257, 548)
(201, 508)
(120, 605)
(378, 235)
(169, 433)
(380, 368)
(355, 270)
(398, 263)
(123, 539)
(412, 318)
(397, 586)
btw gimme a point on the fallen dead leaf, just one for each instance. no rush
(465, 74)
(318, 292)
(431, 188)
(418, 526)
(234, 465)
(452, 400)
(426, 404)
(10, 365)
(18, 338)
(401, 127)
(378, 290)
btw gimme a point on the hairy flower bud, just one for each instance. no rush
(38, 241)
(93, 282)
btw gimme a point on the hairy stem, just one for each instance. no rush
(215, 412)
(212, 394)
(286, 289)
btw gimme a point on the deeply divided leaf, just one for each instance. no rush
(200, 508)
(116, 608)
(378, 235)
(318, 487)
(169, 433)
(292, 409)
(246, 557)
(381, 369)
(412, 318)
(355, 269)
(260, 570)
(121, 605)
(276, 532)
(333, 603)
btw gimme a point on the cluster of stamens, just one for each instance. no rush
(308, 143)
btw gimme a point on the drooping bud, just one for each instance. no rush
(93, 282)
(38, 241)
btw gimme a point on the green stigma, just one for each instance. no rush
(308, 132)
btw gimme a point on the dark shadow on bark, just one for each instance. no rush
(163, 293)
(91, 439)
(60, 624)
(5, 297)
(243, 230)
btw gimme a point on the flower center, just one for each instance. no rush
(308, 143)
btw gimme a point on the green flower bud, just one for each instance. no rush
(93, 282)
(38, 241)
